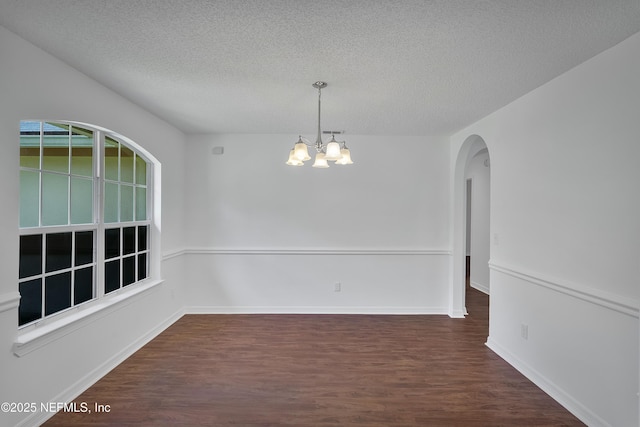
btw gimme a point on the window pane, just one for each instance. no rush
(30, 301)
(58, 252)
(55, 148)
(126, 164)
(58, 187)
(84, 247)
(81, 200)
(141, 171)
(30, 255)
(142, 237)
(112, 243)
(129, 240)
(81, 151)
(111, 276)
(128, 270)
(83, 285)
(57, 293)
(111, 149)
(30, 144)
(142, 266)
(29, 198)
(126, 203)
(141, 203)
(55, 199)
(111, 198)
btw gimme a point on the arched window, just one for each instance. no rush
(84, 217)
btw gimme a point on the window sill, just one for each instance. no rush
(33, 339)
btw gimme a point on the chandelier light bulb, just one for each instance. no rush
(346, 157)
(333, 150)
(300, 150)
(321, 161)
(293, 160)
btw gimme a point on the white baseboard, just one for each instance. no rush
(73, 391)
(548, 386)
(314, 310)
(458, 314)
(480, 287)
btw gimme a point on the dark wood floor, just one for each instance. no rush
(320, 370)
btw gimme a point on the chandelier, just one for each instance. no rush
(331, 151)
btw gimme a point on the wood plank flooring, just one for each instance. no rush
(320, 370)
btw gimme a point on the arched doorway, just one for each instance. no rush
(472, 155)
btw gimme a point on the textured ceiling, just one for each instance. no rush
(394, 67)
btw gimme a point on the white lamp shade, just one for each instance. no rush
(301, 152)
(293, 161)
(346, 157)
(321, 161)
(333, 151)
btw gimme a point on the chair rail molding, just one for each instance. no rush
(621, 304)
(9, 301)
(315, 251)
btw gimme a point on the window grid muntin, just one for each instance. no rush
(40, 170)
(98, 225)
(43, 275)
(119, 183)
(130, 255)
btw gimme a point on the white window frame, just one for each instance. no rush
(49, 327)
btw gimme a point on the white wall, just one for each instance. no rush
(479, 173)
(264, 236)
(260, 234)
(564, 224)
(36, 86)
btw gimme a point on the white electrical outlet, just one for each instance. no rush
(337, 287)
